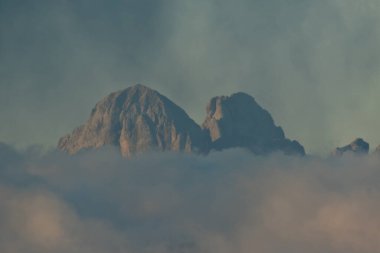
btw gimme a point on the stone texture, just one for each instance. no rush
(357, 147)
(238, 121)
(137, 119)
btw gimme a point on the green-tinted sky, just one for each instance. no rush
(314, 64)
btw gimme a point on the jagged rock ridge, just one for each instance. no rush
(137, 119)
(356, 147)
(238, 121)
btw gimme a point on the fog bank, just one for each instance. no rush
(229, 201)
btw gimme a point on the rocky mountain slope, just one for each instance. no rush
(238, 121)
(139, 119)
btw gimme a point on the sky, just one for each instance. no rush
(226, 202)
(314, 65)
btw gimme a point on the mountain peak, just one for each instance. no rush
(142, 89)
(239, 121)
(357, 147)
(139, 119)
(136, 119)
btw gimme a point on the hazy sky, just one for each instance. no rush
(314, 64)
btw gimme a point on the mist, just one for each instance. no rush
(313, 64)
(230, 201)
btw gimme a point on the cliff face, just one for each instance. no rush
(137, 120)
(238, 121)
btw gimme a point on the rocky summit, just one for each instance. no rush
(139, 119)
(356, 147)
(238, 121)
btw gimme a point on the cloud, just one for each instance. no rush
(228, 201)
(39, 221)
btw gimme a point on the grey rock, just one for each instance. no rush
(137, 119)
(357, 147)
(238, 121)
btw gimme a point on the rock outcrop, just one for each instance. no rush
(137, 119)
(238, 121)
(357, 147)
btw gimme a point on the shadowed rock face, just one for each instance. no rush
(357, 147)
(137, 119)
(238, 121)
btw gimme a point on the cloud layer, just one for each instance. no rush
(161, 202)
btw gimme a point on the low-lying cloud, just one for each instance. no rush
(228, 201)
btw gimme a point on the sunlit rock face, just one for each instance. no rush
(238, 121)
(137, 119)
(357, 147)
